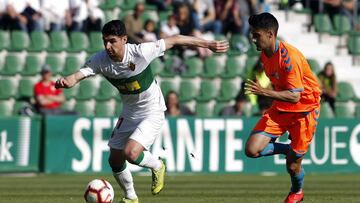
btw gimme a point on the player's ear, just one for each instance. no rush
(270, 34)
(125, 38)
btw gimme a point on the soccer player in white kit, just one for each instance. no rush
(126, 67)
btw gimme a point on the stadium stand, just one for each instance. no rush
(207, 91)
(13, 65)
(19, 41)
(194, 67)
(32, 65)
(203, 109)
(4, 40)
(39, 41)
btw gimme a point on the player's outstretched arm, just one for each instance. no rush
(69, 81)
(215, 46)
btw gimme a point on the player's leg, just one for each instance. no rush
(255, 144)
(297, 174)
(122, 174)
(136, 149)
(261, 141)
(301, 133)
(136, 154)
(295, 170)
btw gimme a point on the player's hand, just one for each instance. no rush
(62, 83)
(252, 87)
(219, 46)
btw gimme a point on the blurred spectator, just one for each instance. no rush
(78, 12)
(134, 24)
(174, 108)
(95, 16)
(332, 7)
(169, 28)
(258, 75)
(33, 14)
(11, 15)
(261, 5)
(248, 8)
(237, 109)
(148, 33)
(20, 15)
(162, 5)
(86, 16)
(205, 15)
(48, 99)
(185, 20)
(264, 103)
(228, 12)
(57, 15)
(327, 79)
(187, 26)
(346, 8)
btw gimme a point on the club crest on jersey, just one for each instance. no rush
(132, 66)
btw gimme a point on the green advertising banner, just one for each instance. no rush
(79, 144)
(19, 144)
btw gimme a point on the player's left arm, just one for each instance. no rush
(215, 46)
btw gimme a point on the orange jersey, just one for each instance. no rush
(288, 69)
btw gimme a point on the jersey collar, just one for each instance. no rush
(125, 53)
(277, 43)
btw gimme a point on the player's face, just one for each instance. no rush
(261, 38)
(114, 46)
(172, 100)
(46, 76)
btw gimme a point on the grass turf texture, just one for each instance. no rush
(184, 188)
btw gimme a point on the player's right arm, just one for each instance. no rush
(90, 68)
(252, 87)
(69, 81)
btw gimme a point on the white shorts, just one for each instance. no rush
(143, 131)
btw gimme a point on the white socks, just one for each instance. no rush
(150, 161)
(125, 180)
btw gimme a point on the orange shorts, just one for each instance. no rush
(300, 125)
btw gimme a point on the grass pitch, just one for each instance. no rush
(184, 188)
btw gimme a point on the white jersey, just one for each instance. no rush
(140, 93)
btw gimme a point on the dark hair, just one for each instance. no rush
(264, 21)
(332, 77)
(148, 21)
(167, 97)
(114, 27)
(171, 92)
(240, 97)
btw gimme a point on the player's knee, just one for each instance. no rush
(293, 169)
(131, 155)
(111, 161)
(116, 164)
(251, 153)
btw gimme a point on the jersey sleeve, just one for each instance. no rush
(152, 50)
(292, 72)
(91, 67)
(37, 90)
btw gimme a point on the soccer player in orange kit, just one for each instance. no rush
(296, 105)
